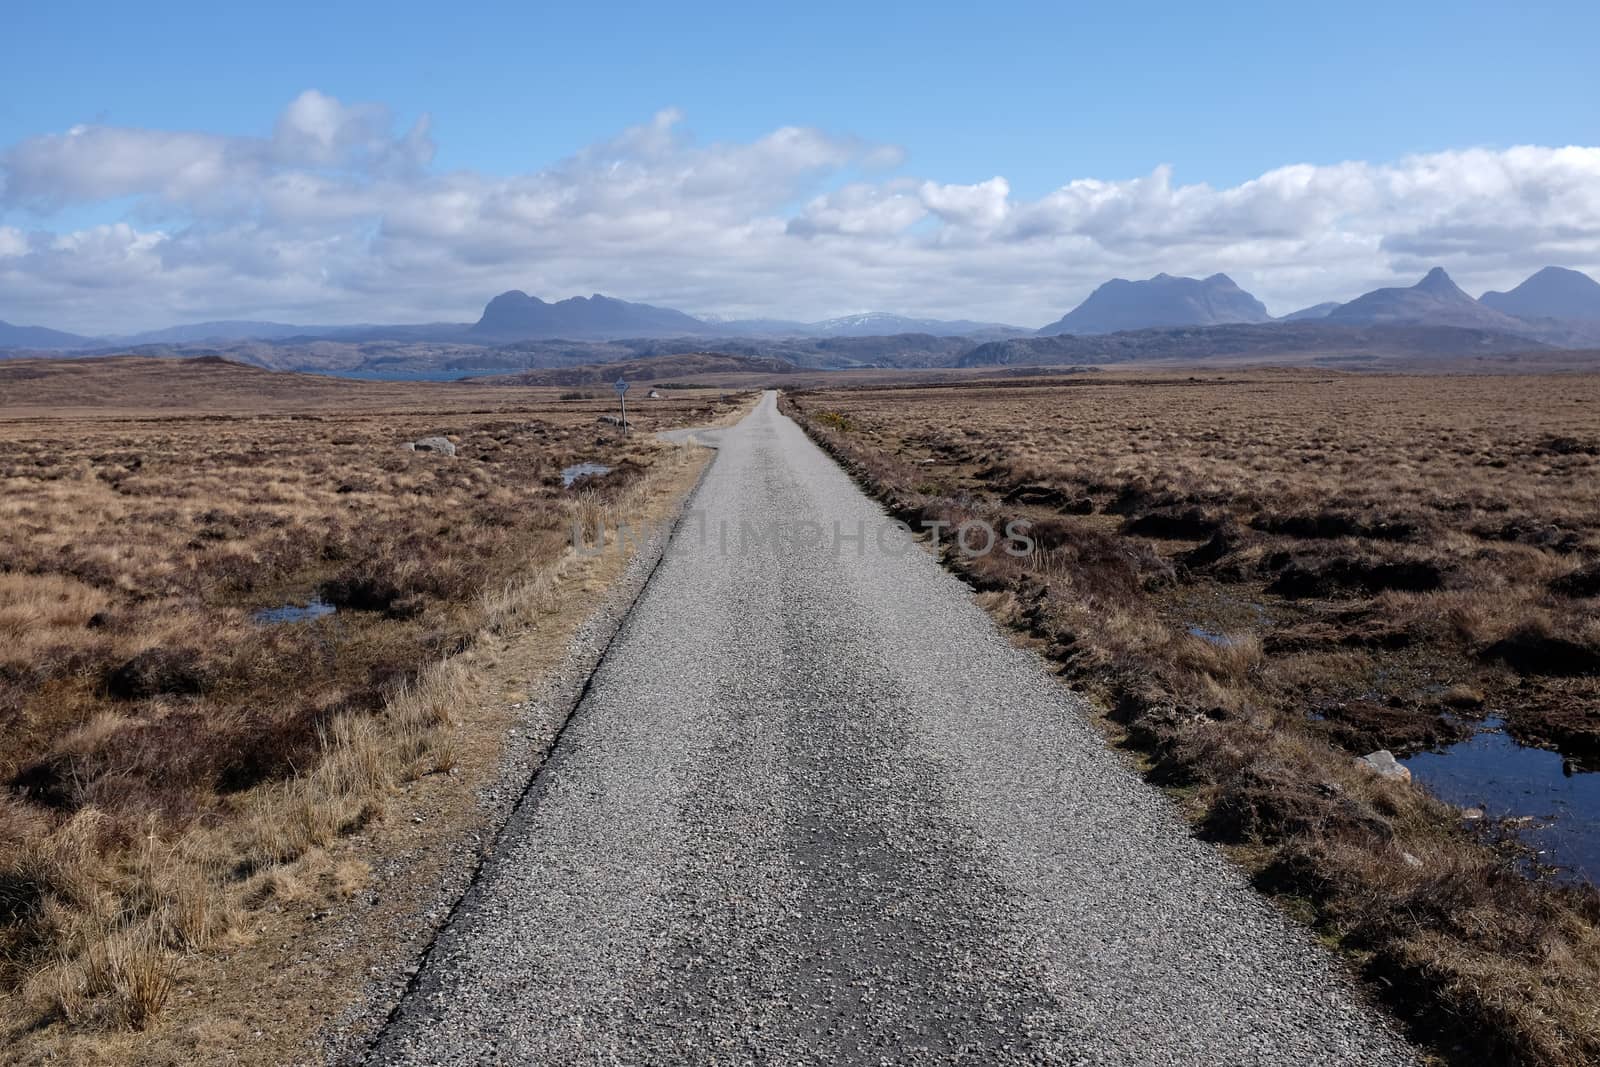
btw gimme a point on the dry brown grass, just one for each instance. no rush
(169, 762)
(1386, 558)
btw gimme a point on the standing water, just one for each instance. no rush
(1510, 781)
(582, 470)
(315, 608)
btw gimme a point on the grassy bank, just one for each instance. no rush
(1263, 577)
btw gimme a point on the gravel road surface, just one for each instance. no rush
(815, 809)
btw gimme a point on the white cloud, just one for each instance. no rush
(13, 242)
(89, 163)
(983, 206)
(863, 210)
(338, 215)
(317, 130)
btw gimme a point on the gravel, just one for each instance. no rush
(815, 808)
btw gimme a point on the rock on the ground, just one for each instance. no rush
(441, 445)
(1384, 765)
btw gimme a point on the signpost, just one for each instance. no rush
(622, 398)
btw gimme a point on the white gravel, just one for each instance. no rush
(815, 808)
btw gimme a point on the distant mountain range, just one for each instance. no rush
(648, 369)
(39, 337)
(1555, 306)
(1352, 345)
(1434, 301)
(1160, 301)
(1160, 317)
(882, 324)
(202, 332)
(516, 316)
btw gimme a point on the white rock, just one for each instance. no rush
(1384, 765)
(440, 445)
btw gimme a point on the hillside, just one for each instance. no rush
(121, 384)
(1157, 302)
(39, 337)
(1298, 341)
(1552, 293)
(1315, 311)
(883, 324)
(1434, 301)
(814, 353)
(651, 369)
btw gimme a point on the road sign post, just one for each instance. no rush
(622, 399)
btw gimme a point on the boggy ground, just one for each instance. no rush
(174, 768)
(1266, 573)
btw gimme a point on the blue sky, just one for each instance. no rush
(1041, 94)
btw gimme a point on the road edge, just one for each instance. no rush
(359, 1031)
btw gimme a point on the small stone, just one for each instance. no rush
(440, 445)
(1472, 814)
(1410, 860)
(1384, 765)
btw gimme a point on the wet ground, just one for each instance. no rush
(580, 471)
(315, 608)
(1550, 804)
(1540, 787)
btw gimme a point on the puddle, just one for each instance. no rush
(582, 470)
(1211, 637)
(315, 608)
(1510, 781)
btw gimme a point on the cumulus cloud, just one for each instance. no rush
(339, 215)
(861, 209)
(983, 206)
(202, 171)
(317, 130)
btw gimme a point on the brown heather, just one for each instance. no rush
(168, 763)
(1375, 560)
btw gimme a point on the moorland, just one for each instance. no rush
(1265, 575)
(237, 613)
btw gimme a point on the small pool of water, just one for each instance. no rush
(1211, 637)
(1510, 781)
(582, 470)
(315, 608)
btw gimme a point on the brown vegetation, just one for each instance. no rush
(170, 755)
(1265, 574)
(686, 366)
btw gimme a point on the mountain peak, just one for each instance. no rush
(1550, 293)
(1437, 281)
(512, 298)
(1162, 301)
(516, 316)
(1434, 301)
